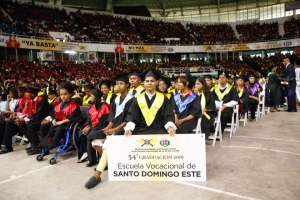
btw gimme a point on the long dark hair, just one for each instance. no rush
(98, 95)
(205, 88)
(15, 92)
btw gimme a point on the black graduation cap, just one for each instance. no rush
(242, 77)
(174, 79)
(32, 89)
(190, 79)
(150, 72)
(224, 73)
(135, 72)
(124, 77)
(44, 86)
(97, 93)
(251, 75)
(208, 76)
(52, 91)
(166, 80)
(271, 67)
(88, 86)
(105, 82)
(75, 86)
(22, 88)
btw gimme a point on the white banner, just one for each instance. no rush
(157, 158)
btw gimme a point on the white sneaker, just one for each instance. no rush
(211, 137)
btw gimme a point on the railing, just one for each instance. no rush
(143, 43)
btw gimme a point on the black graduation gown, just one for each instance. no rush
(75, 116)
(275, 91)
(96, 132)
(164, 114)
(193, 108)
(41, 111)
(112, 99)
(245, 99)
(122, 117)
(57, 132)
(207, 124)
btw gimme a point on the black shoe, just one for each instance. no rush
(90, 164)
(34, 151)
(6, 150)
(92, 182)
(29, 148)
(82, 161)
(33, 148)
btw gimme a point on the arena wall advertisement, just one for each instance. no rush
(26, 43)
(18, 42)
(157, 158)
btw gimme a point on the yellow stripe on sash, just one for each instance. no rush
(149, 114)
(221, 95)
(86, 99)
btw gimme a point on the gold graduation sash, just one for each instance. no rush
(109, 95)
(138, 90)
(50, 101)
(203, 105)
(241, 92)
(168, 95)
(212, 88)
(149, 114)
(86, 99)
(220, 94)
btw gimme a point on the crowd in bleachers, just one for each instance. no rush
(95, 72)
(36, 20)
(258, 31)
(292, 27)
(212, 33)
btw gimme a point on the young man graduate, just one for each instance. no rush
(150, 113)
(135, 82)
(226, 93)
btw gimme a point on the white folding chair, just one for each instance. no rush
(267, 110)
(233, 123)
(218, 131)
(22, 138)
(245, 119)
(261, 105)
(198, 127)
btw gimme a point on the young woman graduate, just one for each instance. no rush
(138, 119)
(254, 89)
(208, 107)
(186, 105)
(95, 123)
(64, 115)
(163, 85)
(108, 96)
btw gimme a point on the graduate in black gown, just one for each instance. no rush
(209, 82)
(64, 115)
(254, 89)
(119, 107)
(87, 90)
(226, 93)
(243, 94)
(117, 121)
(274, 84)
(163, 85)
(186, 105)
(161, 120)
(208, 107)
(150, 113)
(108, 96)
(95, 123)
(31, 124)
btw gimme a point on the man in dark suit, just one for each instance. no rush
(290, 82)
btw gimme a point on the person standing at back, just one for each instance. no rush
(297, 71)
(289, 78)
